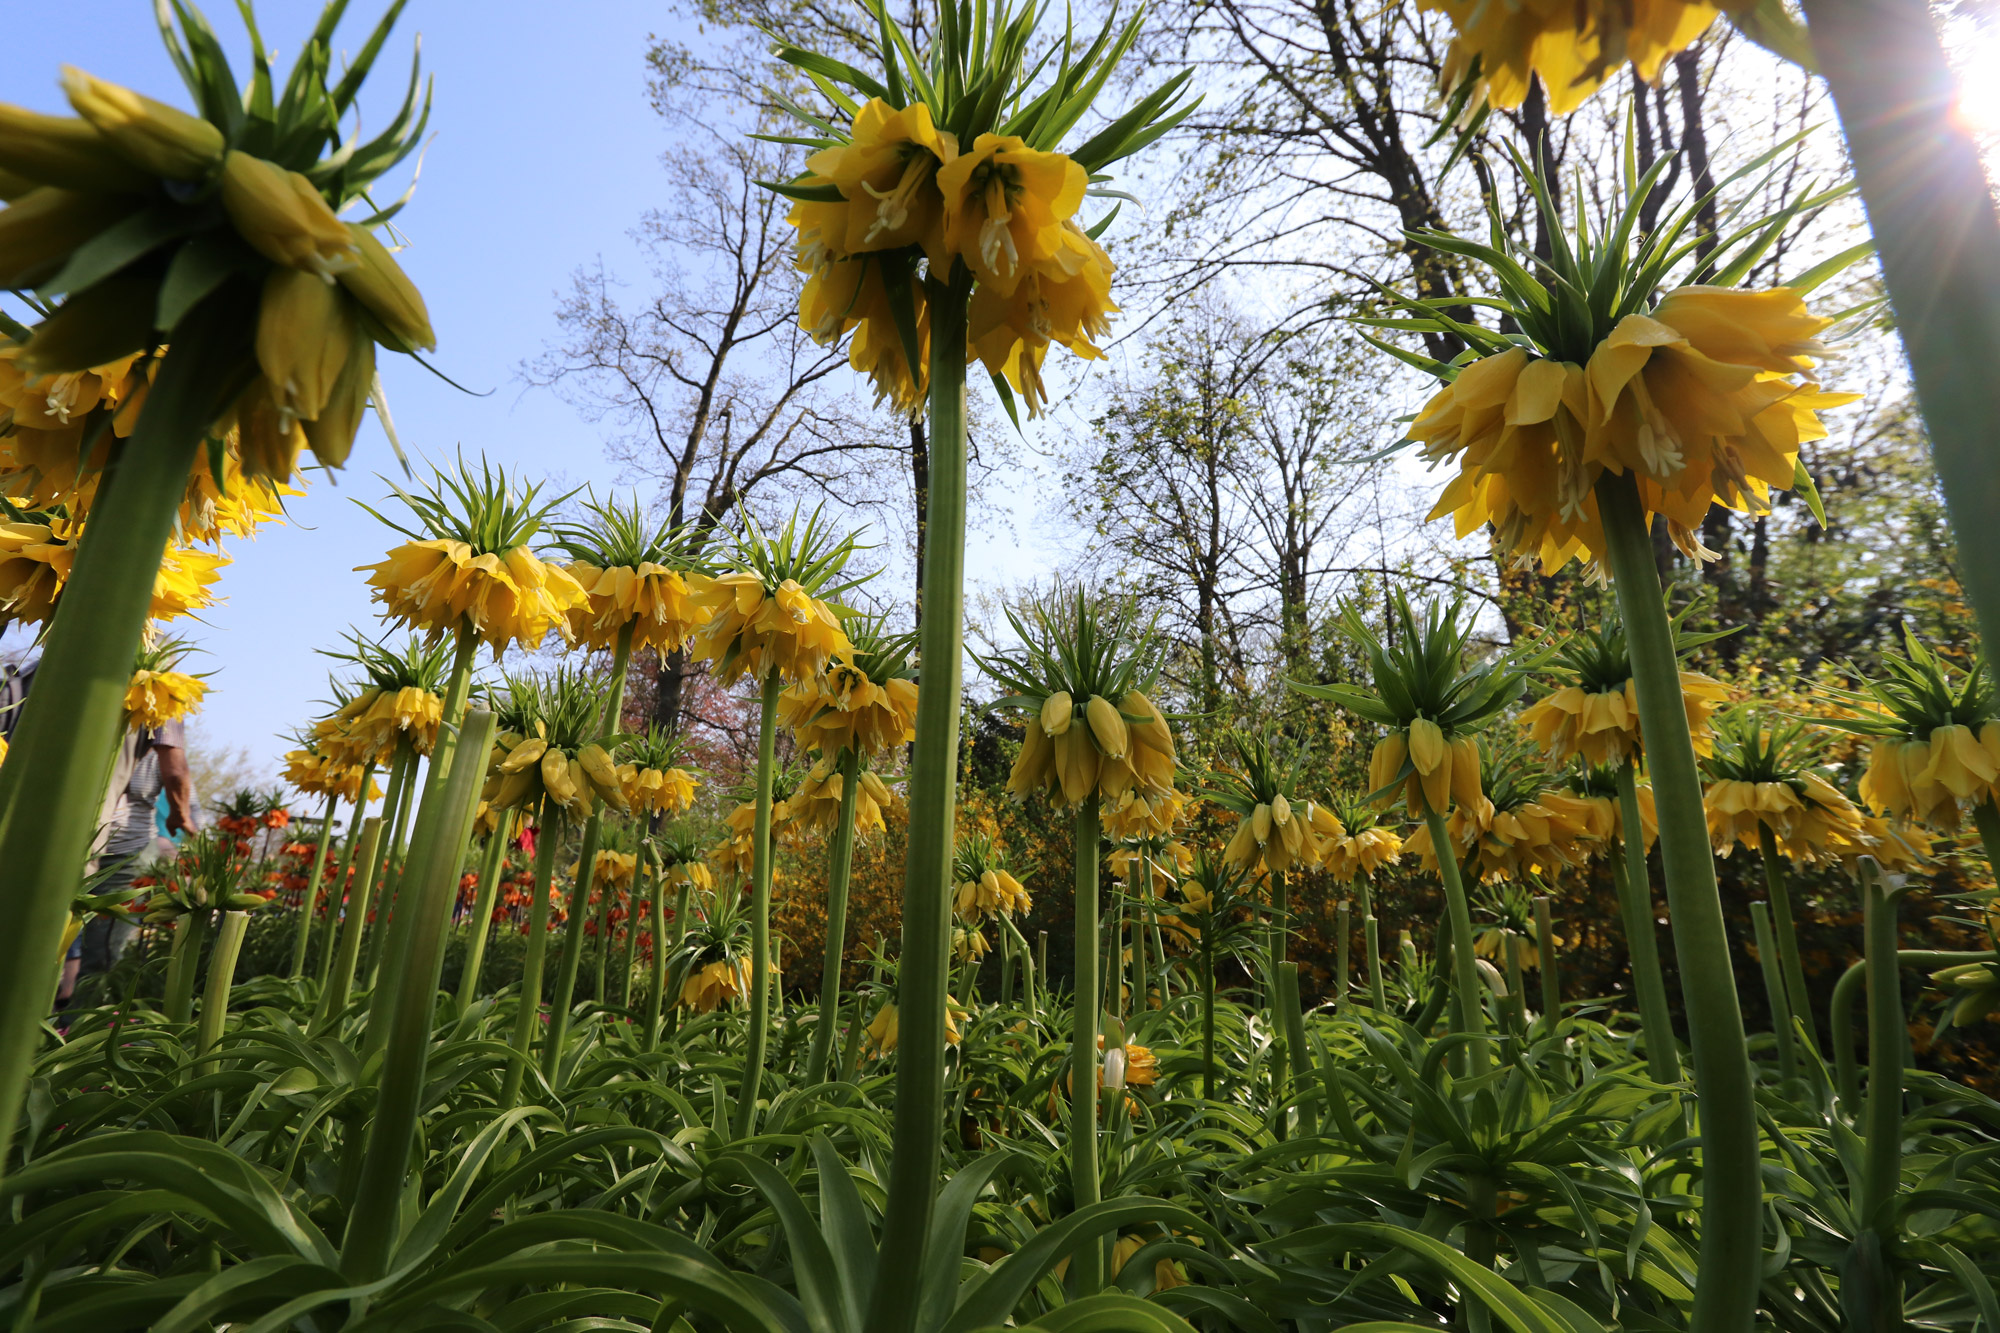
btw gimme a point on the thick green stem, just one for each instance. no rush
(631, 943)
(1938, 241)
(1295, 1037)
(1774, 988)
(396, 810)
(340, 982)
(1886, 1031)
(432, 887)
(190, 934)
(1464, 967)
(311, 901)
(1732, 1201)
(1087, 1275)
(1275, 950)
(673, 1017)
(1545, 947)
(920, 1061)
(1785, 933)
(656, 994)
(480, 927)
(336, 907)
(1642, 943)
(839, 870)
(760, 914)
(564, 999)
(1371, 935)
(52, 787)
(1207, 1019)
(431, 824)
(215, 996)
(548, 834)
(1343, 923)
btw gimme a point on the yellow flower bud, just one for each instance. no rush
(1056, 710)
(1427, 748)
(331, 433)
(282, 217)
(380, 284)
(304, 335)
(39, 230)
(152, 135)
(64, 151)
(1281, 810)
(268, 438)
(1386, 762)
(1109, 728)
(1260, 823)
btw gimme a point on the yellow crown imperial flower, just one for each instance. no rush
(755, 630)
(156, 138)
(1700, 398)
(652, 598)
(886, 174)
(1572, 45)
(183, 583)
(155, 698)
(1004, 207)
(851, 295)
(885, 1028)
(281, 216)
(1761, 778)
(35, 560)
(657, 791)
(846, 709)
(715, 983)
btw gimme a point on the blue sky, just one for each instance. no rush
(542, 155)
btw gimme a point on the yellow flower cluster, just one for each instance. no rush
(365, 730)
(653, 599)
(994, 893)
(36, 558)
(816, 804)
(1445, 772)
(1170, 862)
(886, 1027)
(507, 599)
(715, 983)
(1697, 400)
(1073, 756)
(35, 561)
(753, 630)
(1549, 832)
(695, 874)
(656, 791)
(1497, 942)
(155, 698)
(1810, 817)
(613, 870)
(534, 769)
(1005, 209)
(1349, 856)
(332, 289)
(1144, 813)
(47, 417)
(1603, 726)
(968, 944)
(1571, 44)
(846, 710)
(1922, 779)
(318, 775)
(1275, 837)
